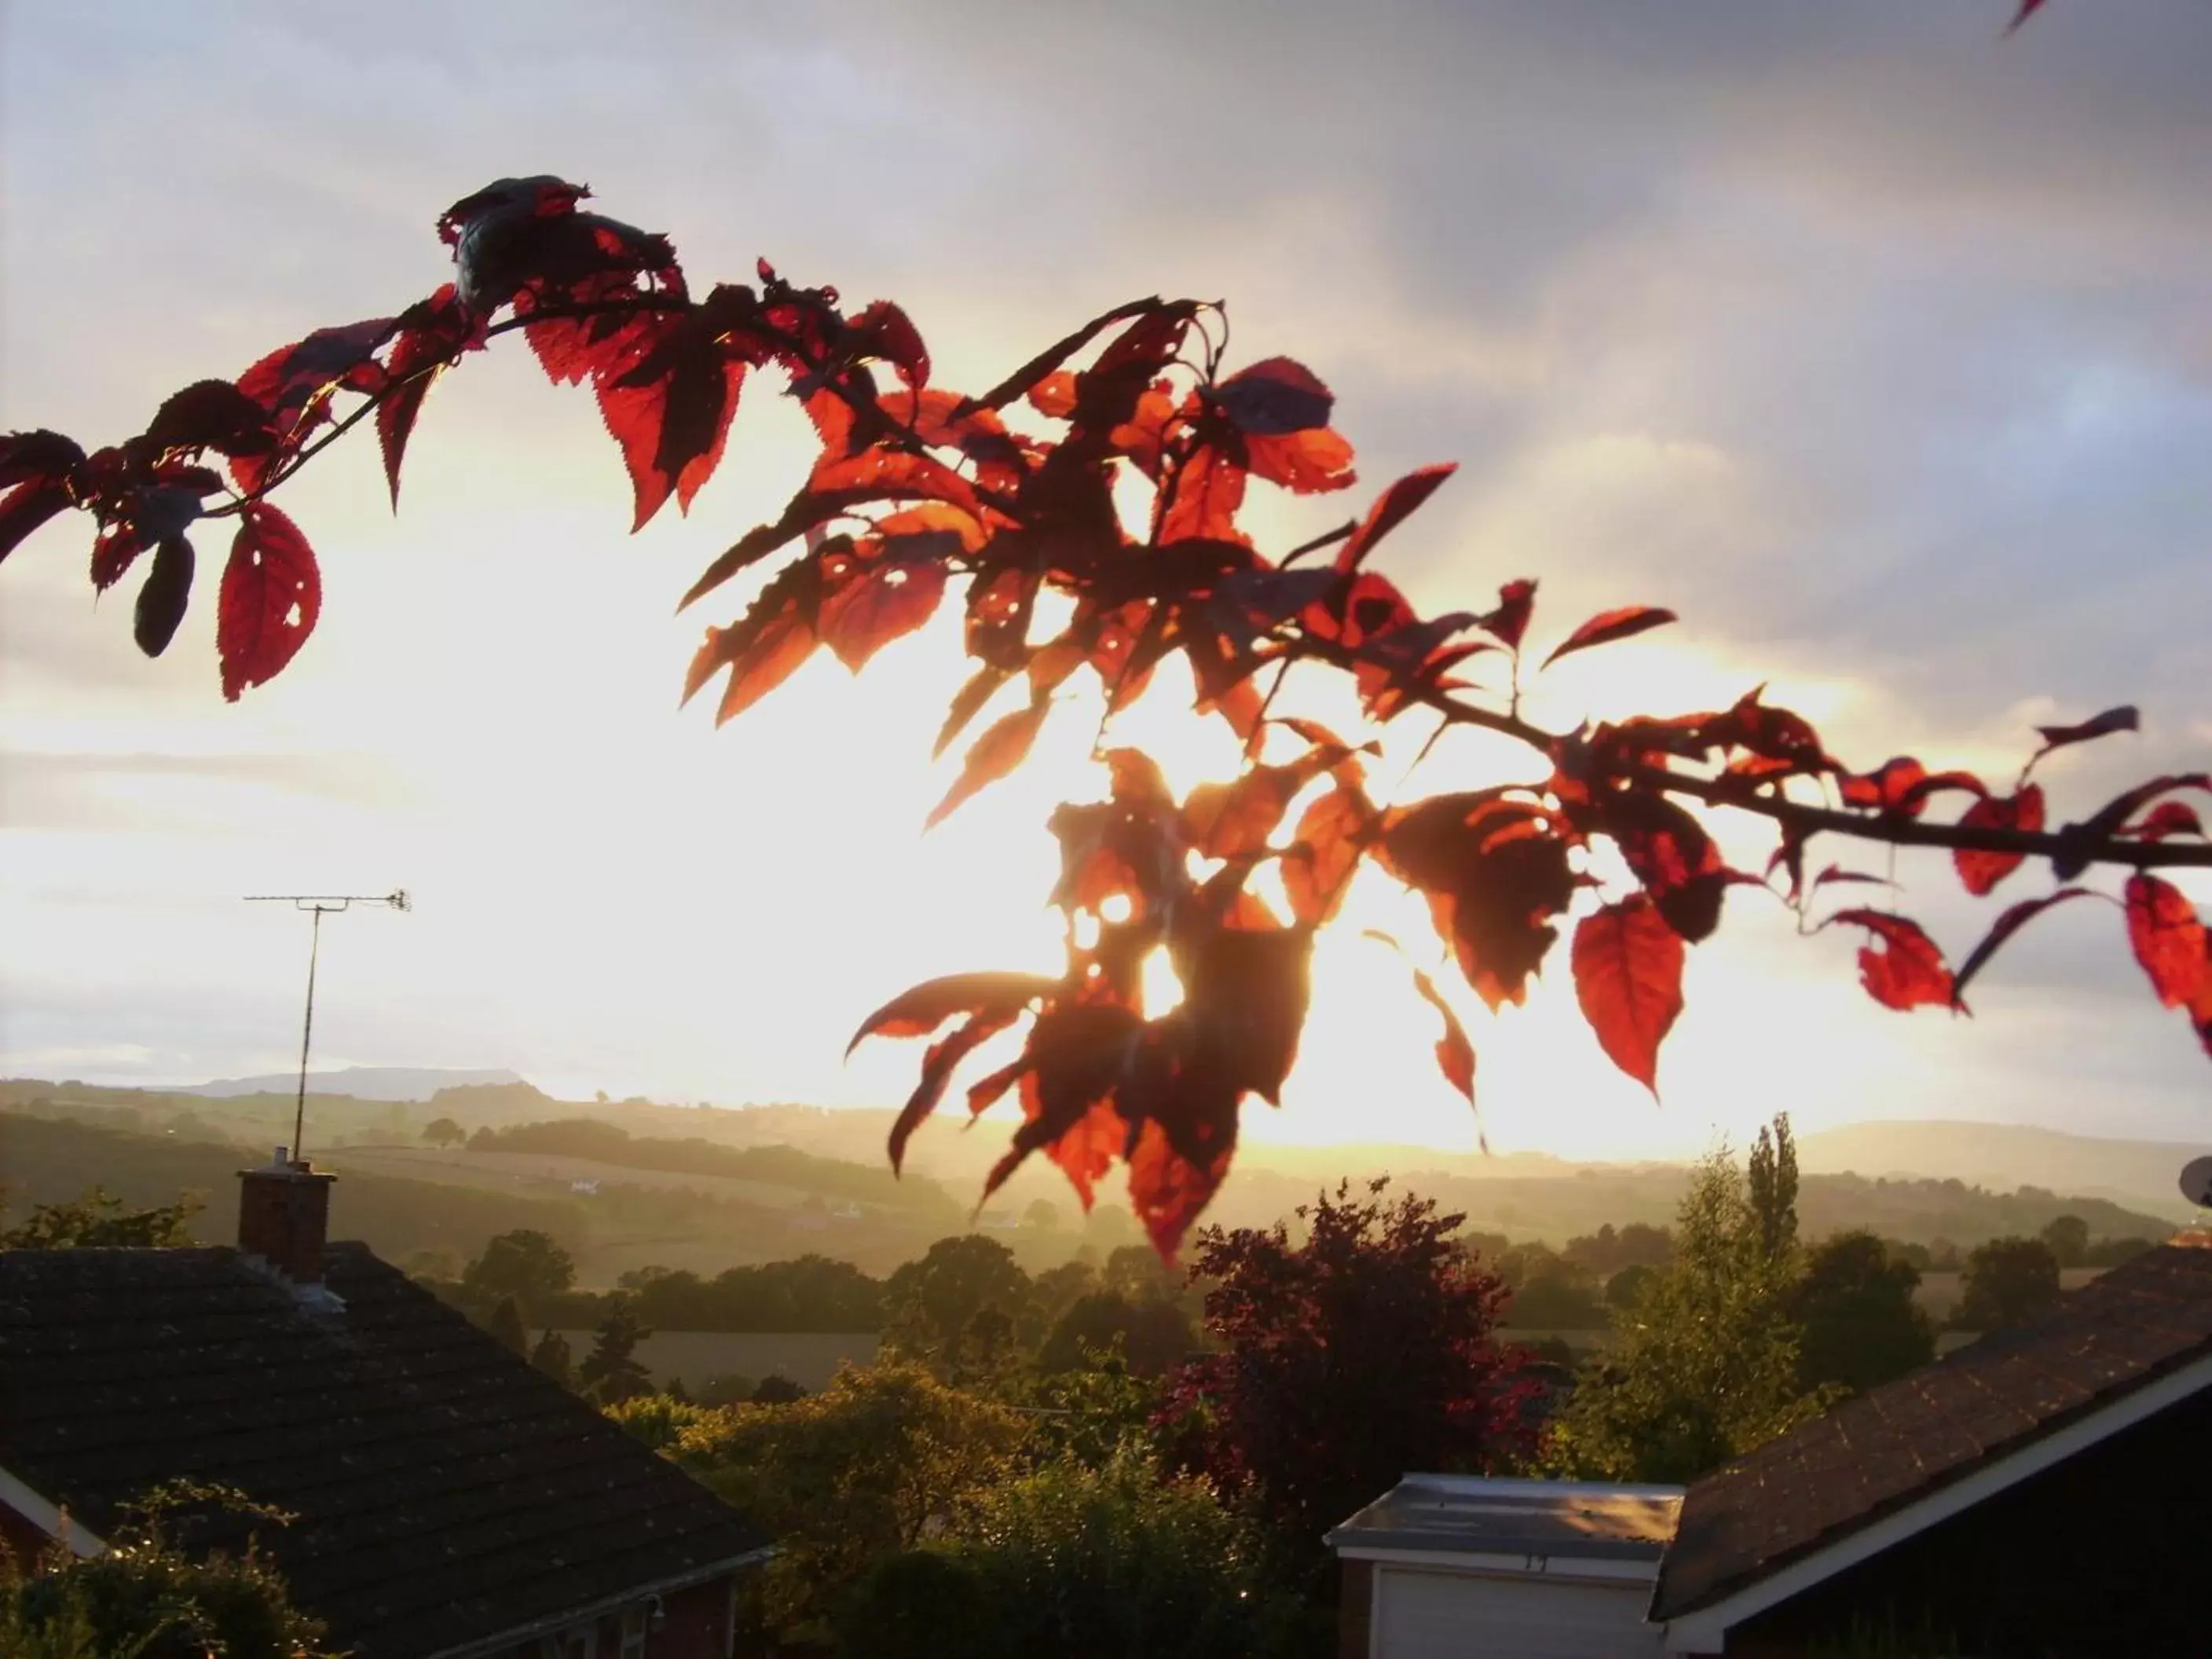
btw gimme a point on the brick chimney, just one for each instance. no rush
(284, 1217)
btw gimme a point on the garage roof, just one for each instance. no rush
(1463, 1514)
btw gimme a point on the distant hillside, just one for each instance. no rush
(361, 1082)
(2004, 1157)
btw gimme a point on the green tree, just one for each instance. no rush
(2008, 1282)
(1771, 1188)
(1109, 1562)
(524, 1264)
(1153, 1334)
(935, 1310)
(97, 1218)
(845, 1476)
(1705, 1364)
(2067, 1236)
(553, 1356)
(1042, 1215)
(444, 1132)
(1860, 1325)
(611, 1373)
(147, 1598)
(1622, 1289)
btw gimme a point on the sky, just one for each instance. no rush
(1877, 345)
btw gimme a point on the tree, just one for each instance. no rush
(96, 1218)
(2008, 1281)
(1042, 1216)
(1771, 1188)
(1860, 1325)
(845, 1476)
(552, 1356)
(2067, 1236)
(524, 1264)
(444, 1132)
(1346, 1361)
(1152, 1334)
(1082, 1563)
(1705, 1366)
(931, 1307)
(147, 1597)
(507, 1325)
(611, 1373)
(917, 490)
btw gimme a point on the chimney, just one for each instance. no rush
(283, 1218)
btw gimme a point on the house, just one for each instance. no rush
(2037, 1493)
(1447, 1564)
(451, 1502)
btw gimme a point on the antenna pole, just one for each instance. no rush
(307, 1036)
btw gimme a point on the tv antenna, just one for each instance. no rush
(319, 905)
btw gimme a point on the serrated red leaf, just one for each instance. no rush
(883, 330)
(1053, 397)
(1310, 463)
(1332, 834)
(1390, 509)
(1517, 600)
(937, 1065)
(2168, 940)
(1627, 964)
(1004, 745)
(1208, 492)
(1885, 789)
(434, 331)
(1608, 626)
(887, 597)
(2168, 818)
(1274, 397)
(921, 1009)
(667, 401)
(272, 594)
(1908, 970)
(1981, 872)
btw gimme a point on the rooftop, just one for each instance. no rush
(447, 1493)
(1897, 1444)
(1464, 1514)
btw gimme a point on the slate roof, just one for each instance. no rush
(446, 1491)
(1900, 1442)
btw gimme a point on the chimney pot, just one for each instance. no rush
(283, 1218)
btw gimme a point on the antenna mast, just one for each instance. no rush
(319, 905)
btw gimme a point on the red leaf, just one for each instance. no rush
(1053, 397)
(2123, 719)
(2168, 939)
(1003, 746)
(1273, 398)
(210, 414)
(1628, 978)
(1168, 1189)
(1332, 834)
(161, 601)
(1981, 872)
(1046, 361)
(1308, 463)
(1455, 1053)
(434, 331)
(937, 1065)
(888, 596)
(1208, 490)
(884, 330)
(1908, 970)
(1516, 600)
(2005, 927)
(763, 648)
(272, 594)
(1391, 508)
(2027, 10)
(27, 507)
(1607, 626)
(667, 400)
(1885, 788)
(920, 1009)
(2168, 818)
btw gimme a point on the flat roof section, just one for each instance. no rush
(1465, 1513)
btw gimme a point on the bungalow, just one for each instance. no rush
(2030, 1494)
(452, 1503)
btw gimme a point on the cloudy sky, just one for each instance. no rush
(1878, 347)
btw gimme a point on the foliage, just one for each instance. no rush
(1116, 1561)
(959, 1309)
(505, 1324)
(1151, 1334)
(844, 1477)
(148, 1597)
(2067, 1236)
(810, 1292)
(525, 1265)
(1860, 1325)
(611, 1373)
(2008, 1281)
(97, 1218)
(659, 1420)
(1087, 1412)
(552, 1356)
(1074, 589)
(1705, 1366)
(1365, 1350)
(444, 1132)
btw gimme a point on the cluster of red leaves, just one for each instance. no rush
(920, 494)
